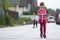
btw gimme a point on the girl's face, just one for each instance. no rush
(41, 7)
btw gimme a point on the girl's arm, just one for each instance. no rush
(38, 13)
(45, 12)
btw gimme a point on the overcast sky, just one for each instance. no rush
(50, 3)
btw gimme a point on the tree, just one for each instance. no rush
(35, 10)
(5, 5)
(5, 8)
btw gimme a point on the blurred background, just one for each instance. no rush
(20, 12)
(16, 20)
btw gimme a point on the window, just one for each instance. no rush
(50, 17)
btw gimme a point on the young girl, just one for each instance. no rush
(42, 19)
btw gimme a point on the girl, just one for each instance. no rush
(42, 19)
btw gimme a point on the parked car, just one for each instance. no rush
(50, 19)
(58, 18)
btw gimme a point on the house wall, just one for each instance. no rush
(20, 10)
(27, 9)
(12, 8)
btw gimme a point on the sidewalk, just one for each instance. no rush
(26, 32)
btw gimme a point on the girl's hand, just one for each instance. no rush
(45, 14)
(38, 14)
(42, 14)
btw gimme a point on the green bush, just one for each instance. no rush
(2, 21)
(21, 20)
(34, 10)
(6, 20)
(27, 13)
(9, 20)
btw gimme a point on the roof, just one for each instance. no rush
(11, 2)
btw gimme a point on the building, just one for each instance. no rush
(12, 6)
(33, 4)
(29, 4)
(21, 6)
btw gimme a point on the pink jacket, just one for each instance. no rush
(42, 11)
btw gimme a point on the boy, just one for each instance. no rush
(35, 20)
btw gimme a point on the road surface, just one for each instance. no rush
(26, 32)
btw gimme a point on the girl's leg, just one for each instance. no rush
(44, 28)
(40, 27)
